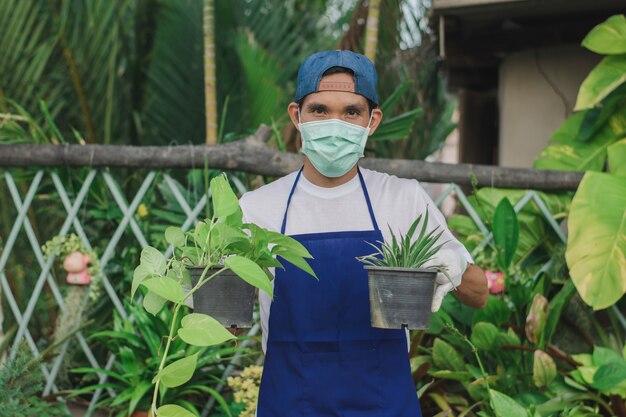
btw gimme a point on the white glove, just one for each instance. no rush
(455, 265)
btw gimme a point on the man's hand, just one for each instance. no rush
(455, 265)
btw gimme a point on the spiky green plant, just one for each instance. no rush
(405, 252)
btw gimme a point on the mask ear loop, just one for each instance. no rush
(299, 121)
(370, 122)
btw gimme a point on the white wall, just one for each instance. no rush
(537, 89)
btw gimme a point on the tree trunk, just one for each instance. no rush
(371, 29)
(210, 94)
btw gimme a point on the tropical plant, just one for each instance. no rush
(596, 250)
(218, 242)
(406, 251)
(136, 344)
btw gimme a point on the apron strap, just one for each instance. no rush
(367, 199)
(363, 187)
(293, 188)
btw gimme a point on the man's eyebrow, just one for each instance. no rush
(357, 106)
(316, 106)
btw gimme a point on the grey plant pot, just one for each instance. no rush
(226, 297)
(400, 297)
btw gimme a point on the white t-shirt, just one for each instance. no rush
(396, 203)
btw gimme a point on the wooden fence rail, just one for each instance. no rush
(254, 156)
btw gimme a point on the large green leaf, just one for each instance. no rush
(609, 74)
(565, 152)
(202, 330)
(596, 250)
(609, 37)
(179, 372)
(225, 201)
(153, 260)
(505, 233)
(165, 287)
(250, 272)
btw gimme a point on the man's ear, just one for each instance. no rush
(292, 109)
(377, 117)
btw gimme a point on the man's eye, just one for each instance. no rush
(353, 112)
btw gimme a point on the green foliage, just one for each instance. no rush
(608, 38)
(604, 370)
(136, 344)
(596, 252)
(405, 251)
(505, 233)
(216, 244)
(21, 383)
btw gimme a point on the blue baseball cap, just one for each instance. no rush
(312, 70)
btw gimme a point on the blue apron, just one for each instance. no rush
(323, 357)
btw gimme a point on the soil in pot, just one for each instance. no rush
(226, 297)
(400, 297)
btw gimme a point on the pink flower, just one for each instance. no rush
(495, 281)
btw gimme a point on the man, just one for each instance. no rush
(323, 358)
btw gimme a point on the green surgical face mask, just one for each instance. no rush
(333, 146)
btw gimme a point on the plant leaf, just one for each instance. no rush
(224, 199)
(486, 336)
(165, 287)
(175, 236)
(503, 405)
(446, 357)
(544, 369)
(179, 372)
(609, 375)
(609, 37)
(172, 410)
(250, 272)
(141, 273)
(203, 330)
(605, 77)
(153, 260)
(596, 249)
(153, 303)
(299, 262)
(505, 233)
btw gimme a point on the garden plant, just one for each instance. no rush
(222, 241)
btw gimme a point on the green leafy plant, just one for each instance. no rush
(596, 251)
(21, 383)
(405, 252)
(136, 344)
(604, 370)
(222, 242)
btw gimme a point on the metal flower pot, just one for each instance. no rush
(225, 297)
(400, 297)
